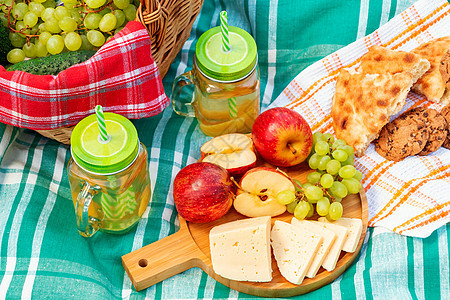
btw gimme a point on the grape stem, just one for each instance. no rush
(329, 195)
(11, 25)
(289, 177)
(9, 14)
(97, 10)
(325, 191)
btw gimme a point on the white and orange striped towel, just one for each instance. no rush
(410, 197)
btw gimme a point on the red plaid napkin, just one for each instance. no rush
(121, 76)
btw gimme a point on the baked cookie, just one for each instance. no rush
(437, 126)
(445, 112)
(407, 135)
(414, 114)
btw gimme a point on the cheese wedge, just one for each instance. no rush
(294, 250)
(328, 239)
(354, 227)
(240, 250)
(333, 255)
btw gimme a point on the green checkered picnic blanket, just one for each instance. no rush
(43, 256)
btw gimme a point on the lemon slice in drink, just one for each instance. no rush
(237, 53)
(232, 65)
(91, 142)
(113, 155)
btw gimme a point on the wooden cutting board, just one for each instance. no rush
(189, 248)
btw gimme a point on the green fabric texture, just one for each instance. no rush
(42, 256)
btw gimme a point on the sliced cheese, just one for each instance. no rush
(240, 250)
(331, 259)
(328, 239)
(354, 227)
(294, 250)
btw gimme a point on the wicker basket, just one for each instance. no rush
(169, 23)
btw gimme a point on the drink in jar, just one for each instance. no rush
(109, 182)
(226, 94)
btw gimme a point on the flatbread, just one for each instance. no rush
(366, 98)
(363, 103)
(431, 84)
(444, 68)
(380, 60)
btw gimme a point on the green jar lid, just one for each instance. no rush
(235, 64)
(96, 156)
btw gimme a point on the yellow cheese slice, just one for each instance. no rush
(240, 250)
(328, 239)
(294, 250)
(333, 255)
(354, 227)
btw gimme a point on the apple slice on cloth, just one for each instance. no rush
(233, 151)
(282, 137)
(258, 190)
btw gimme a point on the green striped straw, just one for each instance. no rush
(232, 107)
(226, 48)
(224, 28)
(101, 123)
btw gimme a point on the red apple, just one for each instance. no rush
(203, 192)
(259, 188)
(233, 151)
(282, 137)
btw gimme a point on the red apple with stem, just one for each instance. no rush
(203, 192)
(282, 137)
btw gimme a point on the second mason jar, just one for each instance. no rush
(109, 179)
(226, 84)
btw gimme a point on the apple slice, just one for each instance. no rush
(257, 194)
(233, 151)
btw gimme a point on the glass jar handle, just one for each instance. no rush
(87, 225)
(182, 108)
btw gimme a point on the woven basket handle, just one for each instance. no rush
(153, 16)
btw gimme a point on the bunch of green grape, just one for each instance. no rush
(333, 178)
(42, 27)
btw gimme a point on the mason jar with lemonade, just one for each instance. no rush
(108, 174)
(226, 82)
